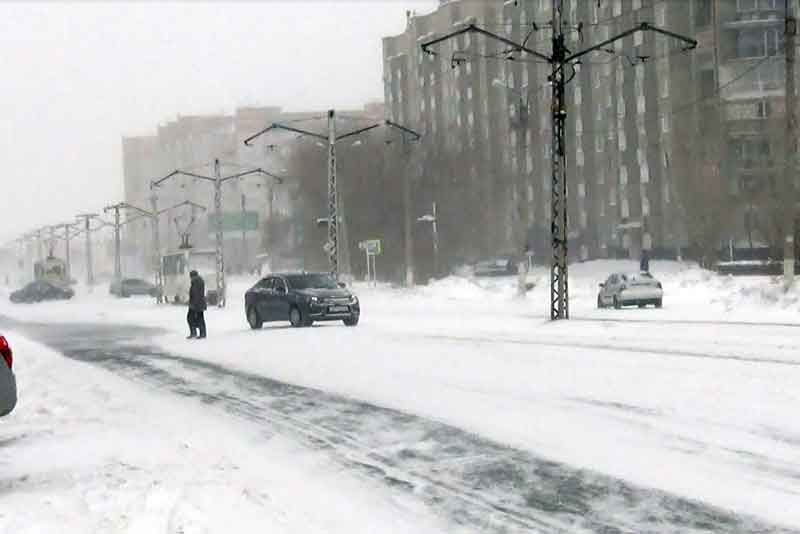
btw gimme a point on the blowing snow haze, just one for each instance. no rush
(79, 76)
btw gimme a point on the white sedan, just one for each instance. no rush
(626, 289)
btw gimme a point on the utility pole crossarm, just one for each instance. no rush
(178, 172)
(143, 212)
(475, 29)
(181, 204)
(391, 124)
(357, 132)
(248, 173)
(276, 126)
(644, 26)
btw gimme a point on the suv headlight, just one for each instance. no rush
(313, 300)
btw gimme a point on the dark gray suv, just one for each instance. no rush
(301, 299)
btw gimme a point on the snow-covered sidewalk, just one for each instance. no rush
(89, 452)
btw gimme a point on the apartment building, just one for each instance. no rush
(628, 107)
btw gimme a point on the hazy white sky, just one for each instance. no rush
(76, 76)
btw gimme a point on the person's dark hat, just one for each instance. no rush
(192, 273)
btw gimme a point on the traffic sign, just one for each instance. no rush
(371, 246)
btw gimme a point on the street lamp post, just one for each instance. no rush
(432, 218)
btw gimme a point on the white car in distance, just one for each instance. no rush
(629, 289)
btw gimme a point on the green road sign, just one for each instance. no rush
(234, 222)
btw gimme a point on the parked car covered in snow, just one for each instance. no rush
(132, 286)
(506, 265)
(40, 290)
(301, 299)
(8, 383)
(628, 289)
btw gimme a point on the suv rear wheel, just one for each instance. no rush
(351, 321)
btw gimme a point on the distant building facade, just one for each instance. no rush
(191, 143)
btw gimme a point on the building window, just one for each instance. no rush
(664, 87)
(623, 174)
(579, 157)
(617, 8)
(661, 14)
(578, 95)
(625, 209)
(469, 93)
(759, 42)
(599, 145)
(636, 4)
(762, 109)
(751, 153)
(645, 202)
(702, 13)
(641, 105)
(755, 5)
(644, 172)
(665, 123)
(638, 38)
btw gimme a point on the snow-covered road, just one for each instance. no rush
(468, 401)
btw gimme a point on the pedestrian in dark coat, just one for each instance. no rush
(644, 262)
(197, 306)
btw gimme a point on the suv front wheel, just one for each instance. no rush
(351, 321)
(298, 319)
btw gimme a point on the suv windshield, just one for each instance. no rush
(311, 281)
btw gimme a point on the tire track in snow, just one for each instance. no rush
(645, 351)
(480, 485)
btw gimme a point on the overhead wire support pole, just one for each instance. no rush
(87, 221)
(790, 150)
(157, 274)
(217, 179)
(559, 59)
(333, 208)
(331, 138)
(67, 237)
(117, 241)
